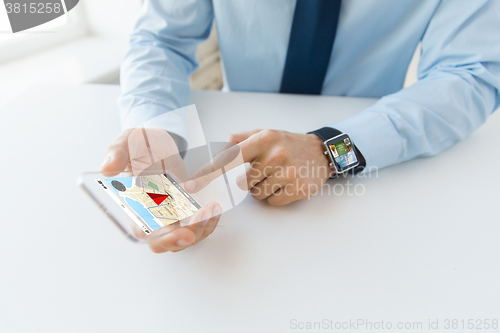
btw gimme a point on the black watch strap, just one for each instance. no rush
(326, 133)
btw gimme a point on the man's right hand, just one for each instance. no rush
(141, 149)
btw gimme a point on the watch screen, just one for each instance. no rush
(343, 152)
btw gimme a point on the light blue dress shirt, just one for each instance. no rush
(459, 70)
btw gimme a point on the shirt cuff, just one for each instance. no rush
(375, 136)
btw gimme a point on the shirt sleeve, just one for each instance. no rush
(161, 56)
(458, 88)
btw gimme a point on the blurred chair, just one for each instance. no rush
(209, 74)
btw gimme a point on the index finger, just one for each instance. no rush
(222, 162)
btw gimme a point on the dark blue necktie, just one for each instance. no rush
(311, 40)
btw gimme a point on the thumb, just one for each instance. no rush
(116, 156)
(241, 136)
(115, 161)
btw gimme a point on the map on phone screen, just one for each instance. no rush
(157, 199)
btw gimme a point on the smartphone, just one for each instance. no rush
(144, 207)
(154, 203)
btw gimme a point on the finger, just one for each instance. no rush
(222, 162)
(259, 170)
(286, 195)
(211, 225)
(267, 187)
(209, 228)
(196, 231)
(253, 147)
(151, 148)
(198, 221)
(176, 240)
(241, 136)
(116, 155)
(256, 173)
(249, 150)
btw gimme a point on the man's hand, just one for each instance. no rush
(285, 166)
(146, 150)
(141, 149)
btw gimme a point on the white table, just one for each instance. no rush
(421, 243)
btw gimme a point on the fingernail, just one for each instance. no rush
(216, 210)
(183, 242)
(106, 161)
(205, 217)
(190, 185)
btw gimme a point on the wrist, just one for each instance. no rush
(319, 149)
(314, 138)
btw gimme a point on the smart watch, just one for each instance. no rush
(342, 154)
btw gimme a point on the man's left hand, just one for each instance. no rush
(285, 166)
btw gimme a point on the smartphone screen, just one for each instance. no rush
(158, 200)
